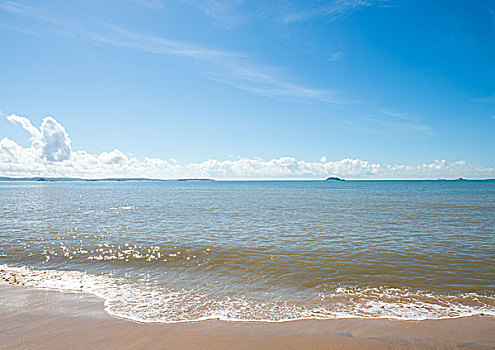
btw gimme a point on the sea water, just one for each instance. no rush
(179, 251)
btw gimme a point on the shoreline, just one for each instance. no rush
(39, 318)
(127, 302)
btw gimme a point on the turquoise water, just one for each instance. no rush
(264, 251)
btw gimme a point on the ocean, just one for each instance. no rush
(181, 251)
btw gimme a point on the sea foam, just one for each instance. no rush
(145, 303)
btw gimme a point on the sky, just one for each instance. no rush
(238, 89)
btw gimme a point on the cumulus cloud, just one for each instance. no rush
(50, 140)
(50, 155)
(56, 142)
(114, 157)
(25, 123)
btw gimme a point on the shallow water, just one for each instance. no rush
(273, 251)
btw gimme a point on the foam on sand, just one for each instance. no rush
(144, 303)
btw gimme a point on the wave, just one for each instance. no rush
(123, 207)
(144, 303)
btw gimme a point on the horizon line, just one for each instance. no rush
(62, 179)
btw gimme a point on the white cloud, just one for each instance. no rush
(330, 9)
(151, 4)
(336, 56)
(56, 142)
(229, 68)
(226, 13)
(230, 13)
(114, 157)
(26, 125)
(50, 154)
(29, 11)
(114, 35)
(15, 159)
(50, 140)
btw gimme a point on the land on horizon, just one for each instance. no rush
(59, 179)
(247, 174)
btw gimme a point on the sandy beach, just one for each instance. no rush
(242, 174)
(46, 319)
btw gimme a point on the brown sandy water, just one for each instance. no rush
(257, 251)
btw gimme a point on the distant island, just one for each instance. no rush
(58, 179)
(68, 179)
(334, 178)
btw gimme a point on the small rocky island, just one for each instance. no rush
(334, 178)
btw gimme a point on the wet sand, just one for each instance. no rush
(41, 319)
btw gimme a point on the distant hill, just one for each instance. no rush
(334, 178)
(59, 179)
(39, 178)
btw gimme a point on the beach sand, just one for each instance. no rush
(42, 319)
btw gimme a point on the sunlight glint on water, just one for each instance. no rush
(181, 251)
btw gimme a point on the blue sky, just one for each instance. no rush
(397, 82)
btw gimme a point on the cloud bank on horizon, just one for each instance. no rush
(50, 154)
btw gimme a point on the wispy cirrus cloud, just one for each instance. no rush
(225, 67)
(386, 124)
(151, 4)
(113, 35)
(231, 13)
(269, 81)
(230, 68)
(336, 56)
(332, 10)
(29, 11)
(225, 13)
(393, 113)
(412, 122)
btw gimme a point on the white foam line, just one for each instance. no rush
(129, 299)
